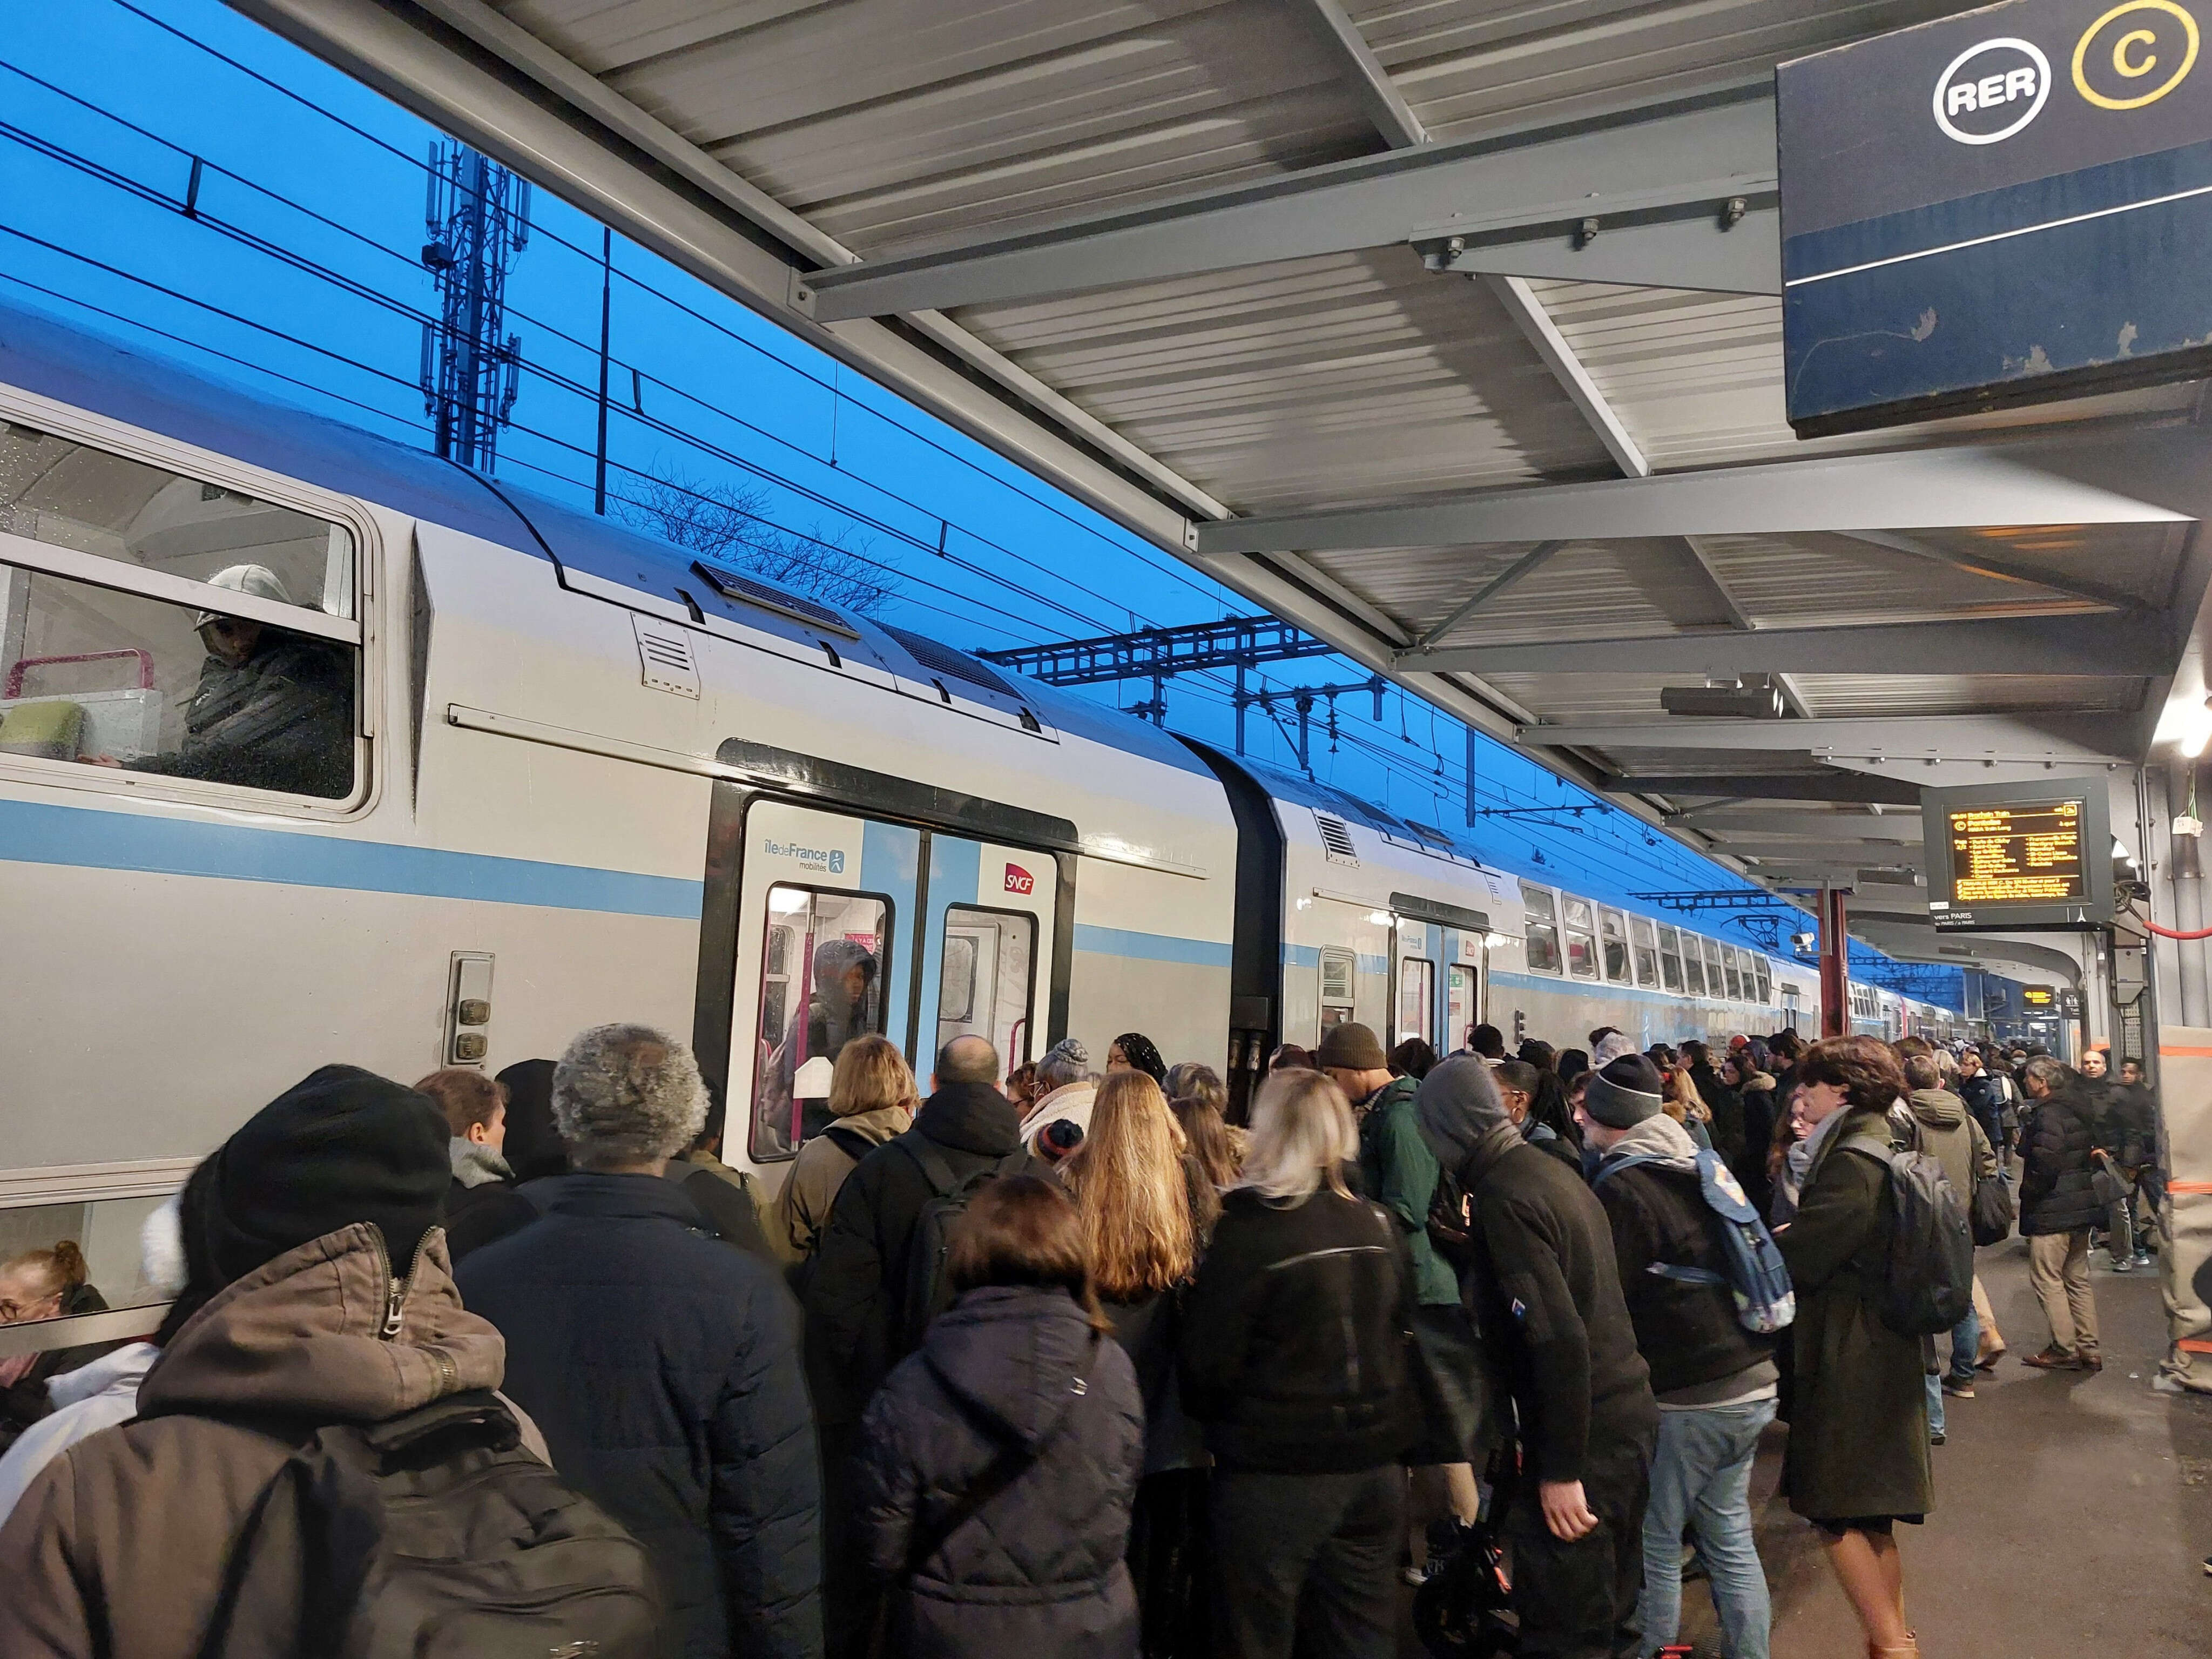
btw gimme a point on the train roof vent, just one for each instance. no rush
(1336, 839)
(750, 590)
(953, 665)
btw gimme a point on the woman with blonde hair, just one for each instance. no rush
(1687, 1107)
(872, 1097)
(1294, 1357)
(1135, 1188)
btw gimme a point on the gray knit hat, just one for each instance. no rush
(1625, 1093)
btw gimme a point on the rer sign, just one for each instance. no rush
(2008, 207)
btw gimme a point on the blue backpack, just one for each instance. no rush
(1756, 1276)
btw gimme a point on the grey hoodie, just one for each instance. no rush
(1657, 1136)
(1462, 1117)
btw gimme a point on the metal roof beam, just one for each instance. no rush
(1536, 325)
(1526, 565)
(1512, 201)
(2011, 570)
(2147, 475)
(1828, 784)
(1822, 852)
(1904, 826)
(2137, 645)
(1379, 96)
(2031, 739)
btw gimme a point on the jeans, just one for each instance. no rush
(1308, 1561)
(1701, 1482)
(1966, 1343)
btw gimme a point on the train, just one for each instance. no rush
(518, 769)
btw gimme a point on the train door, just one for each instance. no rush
(825, 954)
(1417, 946)
(986, 949)
(1463, 989)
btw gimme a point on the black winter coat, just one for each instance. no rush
(2133, 1125)
(1987, 1098)
(28, 1399)
(2056, 1191)
(662, 1365)
(1035, 1570)
(1758, 1111)
(1150, 1332)
(281, 719)
(1687, 1333)
(1296, 1338)
(1547, 1292)
(482, 1214)
(858, 1283)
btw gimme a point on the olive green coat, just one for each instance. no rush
(1858, 1401)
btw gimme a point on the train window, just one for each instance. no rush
(1731, 968)
(1613, 937)
(1417, 999)
(1459, 1002)
(1647, 955)
(985, 979)
(1541, 925)
(1336, 975)
(1765, 971)
(1670, 958)
(821, 986)
(1693, 965)
(72, 496)
(1716, 980)
(182, 686)
(1581, 937)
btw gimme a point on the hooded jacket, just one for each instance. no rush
(663, 1365)
(2057, 1191)
(1545, 1286)
(281, 719)
(794, 1225)
(1689, 1334)
(1946, 1131)
(1988, 1097)
(1036, 1569)
(861, 1271)
(119, 1547)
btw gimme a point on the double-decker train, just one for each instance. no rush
(314, 747)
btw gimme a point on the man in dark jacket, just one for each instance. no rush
(857, 1323)
(1715, 1382)
(2057, 1206)
(481, 1204)
(2134, 1123)
(661, 1363)
(1547, 1290)
(1988, 1095)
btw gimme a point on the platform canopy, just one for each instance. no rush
(1447, 331)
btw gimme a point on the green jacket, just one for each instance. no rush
(1398, 1171)
(1858, 1400)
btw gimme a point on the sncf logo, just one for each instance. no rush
(1991, 91)
(1019, 880)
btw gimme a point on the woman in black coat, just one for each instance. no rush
(998, 1464)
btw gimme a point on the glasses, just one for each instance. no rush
(15, 1313)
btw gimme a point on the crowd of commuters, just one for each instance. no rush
(1067, 1362)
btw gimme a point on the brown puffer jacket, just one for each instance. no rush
(117, 1550)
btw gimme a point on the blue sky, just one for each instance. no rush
(301, 278)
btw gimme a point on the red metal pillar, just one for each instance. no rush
(1835, 966)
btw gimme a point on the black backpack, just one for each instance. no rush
(928, 1286)
(1929, 1282)
(436, 1536)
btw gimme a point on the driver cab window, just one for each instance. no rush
(985, 980)
(155, 623)
(821, 986)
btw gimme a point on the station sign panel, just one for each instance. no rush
(2007, 857)
(2039, 999)
(2007, 207)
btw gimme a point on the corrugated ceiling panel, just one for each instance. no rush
(1332, 381)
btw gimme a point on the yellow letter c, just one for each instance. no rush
(2120, 53)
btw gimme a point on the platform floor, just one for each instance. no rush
(2072, 1513)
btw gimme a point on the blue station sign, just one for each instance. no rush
(2010, 206)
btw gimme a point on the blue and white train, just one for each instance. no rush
(567, 774)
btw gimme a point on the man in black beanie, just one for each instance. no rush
(316, 1293)
(1547, 1293)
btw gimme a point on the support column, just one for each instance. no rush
(2189, 915)
(1835, 966)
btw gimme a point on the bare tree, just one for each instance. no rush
(724, 523)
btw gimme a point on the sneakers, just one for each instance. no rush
(1959, 1390)
(2145, 1259)
(2052, 1360)
(2124, 1264)
(1935, 1437)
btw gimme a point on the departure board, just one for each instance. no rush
(2017, 854)
(2029, 855)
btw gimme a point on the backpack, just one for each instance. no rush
(928, 1286)
(1928, 1282)
(1451, 1232)
(1757, 1277)
(434, 1535)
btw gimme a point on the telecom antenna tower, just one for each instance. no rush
(475, 219)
